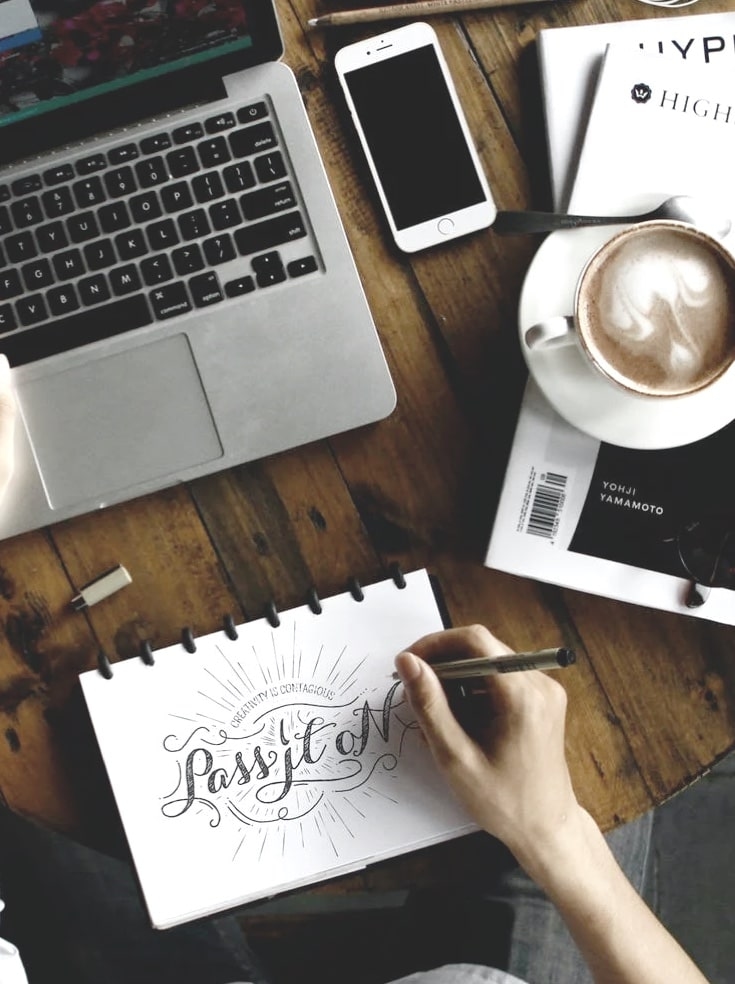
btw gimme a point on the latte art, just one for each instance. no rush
(655, 311)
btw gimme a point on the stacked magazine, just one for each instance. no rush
(636, 525)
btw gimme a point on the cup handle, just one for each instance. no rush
(552, 332)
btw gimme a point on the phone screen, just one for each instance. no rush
(415, 138)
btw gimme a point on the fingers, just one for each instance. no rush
(468, 641)
(426, 695)
(7, 425)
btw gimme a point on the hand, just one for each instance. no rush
(512, 775)
(7, 426)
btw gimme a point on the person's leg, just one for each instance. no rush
(76, 915)
(541, 949)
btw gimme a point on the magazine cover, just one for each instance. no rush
(645, 527)
(650, 527)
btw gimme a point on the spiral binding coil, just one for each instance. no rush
(270, 613)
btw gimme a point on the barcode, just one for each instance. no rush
(548, 500)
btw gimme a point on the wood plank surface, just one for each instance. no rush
(652, 699)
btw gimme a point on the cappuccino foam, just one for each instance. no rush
(657, 311)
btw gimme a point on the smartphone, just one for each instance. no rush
(415, 137)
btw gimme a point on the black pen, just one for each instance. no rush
(464, 669)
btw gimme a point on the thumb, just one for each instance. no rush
(428, 701)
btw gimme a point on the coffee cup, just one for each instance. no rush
(653, 312)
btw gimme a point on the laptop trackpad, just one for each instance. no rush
(117, 421)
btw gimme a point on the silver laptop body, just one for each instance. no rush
(247, 334)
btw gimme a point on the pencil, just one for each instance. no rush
(419, 8)
(465, 669)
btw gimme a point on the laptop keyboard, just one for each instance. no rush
(147, 230)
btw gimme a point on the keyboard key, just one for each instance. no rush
(62, 300)
(213, 152)
(266, 201)
(3, 261)
(194, 225)
(205, 289)
(207, 187)
(26, 184)
(299, 268)
(131, 244)
(182, 162)
(7, 318)
(26, 212)
(176, 197)
(114, 217)
(119, 155)
(58, 174)
(151, 172)
(120, 182)
(93, 290)
(252, 139)
(239, 286)
(88, 165)
(37, 274)
(239, 177)
(81, 328)
(270, 233)
(170, 300)
(89, 192)
(216, 124)
(268, 269)
(100, 254)
(187, 133)
(51, 237)
(256, 111)
(68, 265)
(224, 215)
(82, 227)
(155, 144)
(20, 247)
(270, 167)
(218, 250)
(31, 310)
(4, 193)
(156, 270)
(145, 207)
(125, 280)
(57, 202)
(5, 222)
(162, 235)
(187, 259)
(10, 285)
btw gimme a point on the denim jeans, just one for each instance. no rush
(76, 915)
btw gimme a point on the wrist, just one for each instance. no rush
(550, 855)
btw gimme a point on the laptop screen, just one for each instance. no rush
(59, 52)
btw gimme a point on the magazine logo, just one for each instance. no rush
(641, 93)
(617, 494)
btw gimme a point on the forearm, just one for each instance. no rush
(619, 937)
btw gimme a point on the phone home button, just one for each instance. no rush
(445, 227)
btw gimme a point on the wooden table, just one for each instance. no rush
(652, 700)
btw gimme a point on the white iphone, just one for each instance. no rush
(415, 137)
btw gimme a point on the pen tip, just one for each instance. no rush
(312, 22)
(566, 657)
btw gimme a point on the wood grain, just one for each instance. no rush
(652, 699)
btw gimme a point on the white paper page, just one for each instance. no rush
(657, 128)
(255, 765)
(570, 59)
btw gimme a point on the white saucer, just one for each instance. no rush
(582, 395)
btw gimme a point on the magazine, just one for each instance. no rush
(586, 514)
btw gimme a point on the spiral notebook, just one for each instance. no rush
(274, 754)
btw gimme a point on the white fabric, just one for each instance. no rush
(11, 968)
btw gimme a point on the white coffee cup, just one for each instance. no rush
(654, 311)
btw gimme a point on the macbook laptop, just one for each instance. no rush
(176, 290)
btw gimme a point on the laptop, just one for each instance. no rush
(177, 294)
